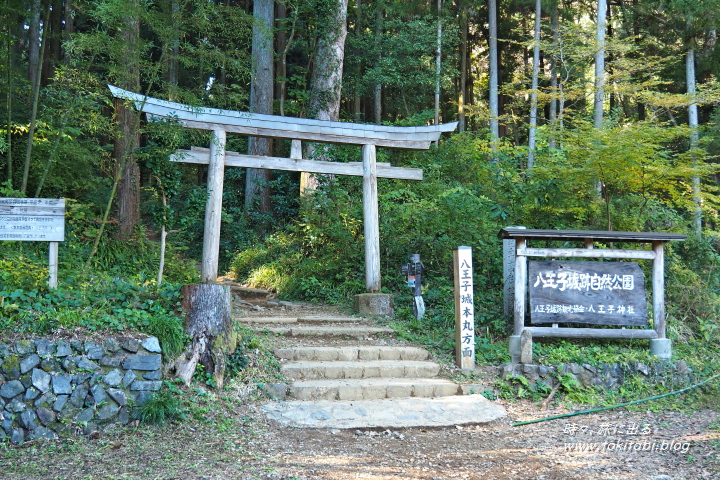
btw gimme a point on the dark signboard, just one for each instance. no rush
(598, 293)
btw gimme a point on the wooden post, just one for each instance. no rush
(213, 208)
(520, 282)
(53, 264)
(509, 275)
(296, 150)
(370, 220)
(464, 308)
(658, 289)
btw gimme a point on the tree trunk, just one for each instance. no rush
(494, 107)
(464, 25)
(377, 90)
(694, 137)
(209, 323)
(34, 34)
(554, 102)
(600, 64)
(438, 63)
(324, 103)
(534, 96)
(257, 191)
(128, 137)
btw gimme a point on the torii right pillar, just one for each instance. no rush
(373, 302)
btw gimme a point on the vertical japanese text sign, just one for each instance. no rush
(464, 308)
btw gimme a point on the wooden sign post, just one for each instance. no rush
(464, 308)
(35, 220)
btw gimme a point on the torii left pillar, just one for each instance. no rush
(213, 208)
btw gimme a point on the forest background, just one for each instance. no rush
(572, 115)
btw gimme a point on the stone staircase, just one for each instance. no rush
(348, 372)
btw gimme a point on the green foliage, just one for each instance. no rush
(164, 406)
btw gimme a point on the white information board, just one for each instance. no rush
(32, 219)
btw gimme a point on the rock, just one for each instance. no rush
(88, 365)
(5, 350)
(112, 360)
(41, 380)
(143, 362)
(642, 368)
(107, 412)
(31, 394)
(506, 370)
(63, 349)
(151, 344)
(11, 389)
(18, 436)
(16, 406)
(95, 378)
(42, 433)
(68, 413)
(60, 402)
(44, 347)
(113, 378)
(530, 369)
(7, 424)
(27, 419)
(69, 364)
(86, 415)
(142, 397)
(98, 394)
(681, 366)
(111, 345)
(124, 415)
(93, 351)
(26, 381)
(45, 415)
(131, 345)
(24, 347)
(117, 395)
(141, 385)
(128, 378)
(79, 378)
(156, 375)
(78, 395)
(45, 399)
(29, 363)
(50, 364)
(11, 367)
(77, 345)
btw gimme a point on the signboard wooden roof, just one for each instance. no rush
(275, 126)
(564, 235)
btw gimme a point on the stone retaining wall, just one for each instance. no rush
(69, 386)
(607, 375)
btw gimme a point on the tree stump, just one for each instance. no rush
(209, 324)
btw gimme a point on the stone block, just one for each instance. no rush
(45, 399)
(145, 385)
(41, 380)
(28, 419)
(128, 378)
(86, 415)
(112, 360)
(156, 375)
(31, 394)
(99, 395)
(26, 380)
(15, 406)
(111, 345)
(44, 347)
(24, 347)
(380, 304)
(42, 433)
(151, 344)
(131, 345)
(143, 362)
(87, 365)
(143, 397)
(45, 415)
(11, 389)
(11, 367)
(78, 395)
(93, 351)
(50, 364)
(5, 350)
(108, 412)
(60, 402)
(113, 378)
(77, 346)
(117, 395)
(18, 436)
(63, 349)
(276, 391)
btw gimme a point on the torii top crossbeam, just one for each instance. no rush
(257, 125)
(296, 129)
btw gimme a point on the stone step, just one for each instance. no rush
(304, 319)
(387, 413)
(318, 331)
(305, 370)
(319, 354)
(372, 388)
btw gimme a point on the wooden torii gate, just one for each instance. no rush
(220, 122)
